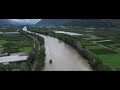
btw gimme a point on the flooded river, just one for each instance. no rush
(64, 57)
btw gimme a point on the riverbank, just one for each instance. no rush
(37, 56)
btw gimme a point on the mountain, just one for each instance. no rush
(69, 22)
(5, 22)
(81, 22)
(15, 23)
(94, 23)
(53, 21)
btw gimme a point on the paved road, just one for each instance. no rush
(12, 58)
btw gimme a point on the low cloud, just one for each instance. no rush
(31, 21)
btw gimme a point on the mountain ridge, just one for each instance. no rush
(81, 22)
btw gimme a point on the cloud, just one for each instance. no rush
(31, 21)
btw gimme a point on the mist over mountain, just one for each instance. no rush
(14, 22)
(25, 21)
(65, 22)
(5, 22)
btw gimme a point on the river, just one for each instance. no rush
(64, 57)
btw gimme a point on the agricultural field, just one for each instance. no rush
(17, 43)
(1, 49)
(25, 49)
(3, 41)
(12, 43)
(9, 28)
(107, 51)
(112, 60)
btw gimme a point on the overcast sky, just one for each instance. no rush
(31, 21)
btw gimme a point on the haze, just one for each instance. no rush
(30, 21)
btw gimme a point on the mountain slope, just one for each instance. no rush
(5, 22)
(81, 22)
(95, 23)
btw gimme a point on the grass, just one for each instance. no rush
(92, 37)
(25, 49)
(118, 50)
(12, 37)
(106, 43)
(112, 60)
(1, 49)
(89, 44)
(3, 41)
(115, 47)
(103, 51)
(94, 47)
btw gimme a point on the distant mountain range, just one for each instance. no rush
(69, 22)
(5, 22)
(8, 22)
(53, 21)
(81, 22)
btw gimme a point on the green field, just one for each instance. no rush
(12, 37)
(103, 51)
(115, 47)
(112, 60)
(13, 43)
(89, 44)
(25, 49)
(118, 50)
(94, 47)
(3, 41)
(92, 37)
(1, 50)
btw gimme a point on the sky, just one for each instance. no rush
(31, 21)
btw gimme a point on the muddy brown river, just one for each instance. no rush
(64, 57)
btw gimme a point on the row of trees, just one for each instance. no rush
(37, 57)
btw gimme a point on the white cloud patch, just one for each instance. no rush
(30, 21)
